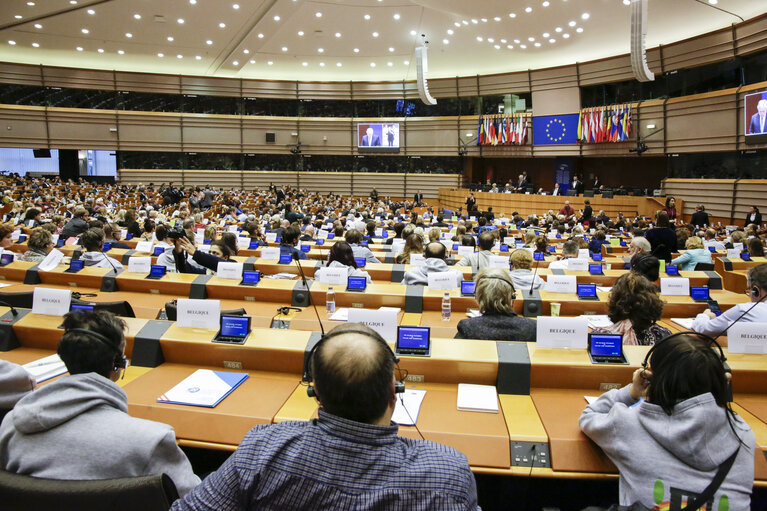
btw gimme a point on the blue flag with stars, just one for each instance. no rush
(555, 129)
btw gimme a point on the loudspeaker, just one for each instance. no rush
(638, 34)
(588, 193)
(607, 195)
(41, 153)
(271, 138)
(572, 193)
(422, 67)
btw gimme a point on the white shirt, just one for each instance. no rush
(558, 265)
(704, 325)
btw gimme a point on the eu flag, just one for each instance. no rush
(555, 129)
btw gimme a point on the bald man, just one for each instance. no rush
(350, 457)
(759, 119)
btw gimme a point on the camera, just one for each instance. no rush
(177, 233)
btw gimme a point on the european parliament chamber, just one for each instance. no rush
(263, 256)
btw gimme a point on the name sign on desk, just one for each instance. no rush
(243, 242)
(227, 270)
(52, 260)
(733, 253)
(738, 247)
(465, 251)
(198, 313)
(270, 253)
(747, 338)
(556, 332)
(51, 302)
(271, 237)
(322, 234)
(199, 238)
(499, 262)
(561, 283)
(675, 287)
(139, 264)
(583, 253)
(144, 246)
(442, 280)
(382, 321)
(578, 264)
(232, 228)
(417, 259)
(333, 276)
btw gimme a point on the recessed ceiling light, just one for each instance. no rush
(338, 64)
(121, 52)
(85, 31)
(552, 41)
(626, 2)
(269, 63)
(375, 34)
(31, 4)
(490, 40)
(516, 41)
(475, 21)
(450, 31)
(512, 15)
(246, 51)
(180, 21)
(713, 2)
(91, 12)
(372, 64)
(367, 16)
(537, 45)
(497, 18)
(413, 32)
(318, 14)
(356, 50)
(509, 46)
(276, 18)
(208, 42)
(479, 38)
(260, 35)
(235, 6)
(235, 63)
(545, 4)
(179, 56)
(407, 62)
(531, 39)
(457, 24)
(322, 64)
(79, 48)
(137, 16)
(170, 39)
(197, 57)
(484, 20)
(222, 25)
(446, 41)
(579, 30)
(300, 33)
(528, 9)
(497, 46)
(464, 22)
(73, 2)
(128, 35)
(38, 26)
(100, 50)
(320, 50)
(18, 16)
(585, 16)
(546, 34)
(391, 50)
(252, 61)
(161, 55)
(566, 35)
(304, 64)
(193, 2)
(571, 23)
(558, 29)
(284, 48)
(390, 64)
(37, 45)
(504, 41)
(396, 16)
(523, 46)
(338, 34)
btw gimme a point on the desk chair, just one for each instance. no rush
(148, 493)
(18, 300)
(118, 308)
(704, 267)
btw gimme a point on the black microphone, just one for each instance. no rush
(13, 309)
(740, 317)
(308, 292)
(532, 283)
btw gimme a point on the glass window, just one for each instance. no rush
(325, 108)
(147, 102)
(212, 104)
(11, 94)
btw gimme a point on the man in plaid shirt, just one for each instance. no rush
(348, 458)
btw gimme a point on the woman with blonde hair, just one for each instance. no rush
(413, 245)
(434, 234)
(694, 253)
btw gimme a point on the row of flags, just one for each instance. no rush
(502, 130)
(604, 124)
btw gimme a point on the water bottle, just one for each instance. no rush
(330, 301)
(446, 307)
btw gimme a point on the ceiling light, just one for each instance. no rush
(512, 15)
(197, 57)
(537, 45)
(545, 4)
(128, 35)
(391, 50)
(235, 63)
(284, 48)
(338, 34)
(626, 2)
(37, 25)
(531, 39)
(269, 63)
(585, 16)
(558, 29)
(170, 39)
(464, 22)
(85, 31)
(396, 16)
(18, 16)
(490, 40)
(650, 126)
(246, 51)
(445, 41)
(235, 6)
(73, 2)
(504, 41)
(300, 33)
(137, 16)
(37, 45)
(367, 16)
(407, 62)
(713, 2)
(31, 4)
(579, 30)
(528, 9)
(91, 12)
(479, 38)
(304, 64)
(338, 64)
(318, 14)
(79, 48)
(484, 20)
(356, 50)
(322, 64)
(100, 50)
(180, 21)
(252, 61)
(497, 46)
(121, 52)
(572, 23)
(375, 34)
(193, 2)
(320, 50)
(450, 31)
(390, 64)
(516, 41)
(510, 46)
(552, 41)
(179, 56)
(566, 35)
(497, 18)
(260, 35)
(475, 21)
(546, 34)
(372, 64)
(413, 32)
(161, 55)
(523, 46)
(276, 18)
(222, 25)
(208, 42)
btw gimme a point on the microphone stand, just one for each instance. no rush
(308, 291)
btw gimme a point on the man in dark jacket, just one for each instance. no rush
(700, 217)
(77, 225)
(662, 238)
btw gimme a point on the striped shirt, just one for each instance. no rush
(334, 463)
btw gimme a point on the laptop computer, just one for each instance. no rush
(587, 292)
(606, 349)
(250, 278)
(234, 329)
(413, 341)
(156, 272)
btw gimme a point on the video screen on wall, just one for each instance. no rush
(378, 136)
(756, 118)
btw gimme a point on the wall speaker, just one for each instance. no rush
(422, 67)
(638, 35)
(271, 138)
(41, 153)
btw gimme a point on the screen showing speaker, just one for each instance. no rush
(378, 136)
(755, 117)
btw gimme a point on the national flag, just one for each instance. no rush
(480, 132)
(627, 123)
(524, 131)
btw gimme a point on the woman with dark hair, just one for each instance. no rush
(341, 256)
(754, 217)
(670, 208)
(662, 238)
(32, 215)
(646, 265)
(131, 225)
(755, 247)
(230, 240)
(634, 307)
(149, 227)
(672, 444)
(413, 245)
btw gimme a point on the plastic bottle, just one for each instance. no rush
(330, 301)
(446, 307)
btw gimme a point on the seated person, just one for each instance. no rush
(569, 251)
(77, 426)
(435, 262)
(92, 241)
(646, 265)
(662, 238)
(308, 234)
(112, 235)
(148, 234)
(673, 443)
(599, 239)
(201, 262)
(639, 245)
(40, 243)
(341, 256)
(289, 241)
(413, 245)
(634, 307)
(755, 247)
(398, 228)
(756, 311)
(15, 383)
(354, 238)
(521, 275)
(481, 259)
(350, 457)
(495, 295)
(694, 253)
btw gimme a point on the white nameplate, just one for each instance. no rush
(384, 322)
(333, 276)
(232, 228)
(747, 338)
(738, 247)
(499, 262)
(733, 253)
(509, 240)
(465, 251)
(583, 253)
(201, 230)
(555, 332)
(199, 238)
(578, 264)
(52, 260)
(140, 265)
(51, 302)
(417, 259)
(54, 239)
(270, 253)
(123, 233)
(227, 270)
(561, 283)
(243, 242)
(442, 280)
(144, 246)
(675, 286)
(271, 237)
(322, 234)
(448, 244)
(15, 234)
(198, 313)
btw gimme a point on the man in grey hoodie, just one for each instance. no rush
(78, 428)
(435, 263)
(15, 383)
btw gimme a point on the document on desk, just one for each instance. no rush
(341, 314)
(477, 398)
(46, 368)
(599, 321)
(203, 388)
(408, 407)
(684, 322)
(590, 399)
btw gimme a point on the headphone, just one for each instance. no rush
(705, 338)
(755, 291)
(399, 386)
(513, 290)
(286, 310)
(120, 361)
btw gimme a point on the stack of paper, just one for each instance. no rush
(203, 388)
(477, 398)
(46, 368)
(599, 321)
(473, 313)
(408, 407)
(604, 289)
(341, 314)
(684, 322)
(287, 276)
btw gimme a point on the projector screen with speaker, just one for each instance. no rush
(378, 136)
(755, 117)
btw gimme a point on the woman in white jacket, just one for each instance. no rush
(341, 256)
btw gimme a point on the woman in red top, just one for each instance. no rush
(670, 208)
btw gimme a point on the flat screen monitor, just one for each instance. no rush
(699, 293)
(588, 291)
(413, 340)
(378, 137)
(251, 277)
(356, 283)
(360, 262)
(467, 287)
(7, 258)
(755, 117)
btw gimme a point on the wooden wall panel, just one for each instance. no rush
(378, 90)
(263, 178)
(505, 83)
(79, 78)
(432, 135)
(211, 133)
(325, 90)
(442, 88)
(23, 126)
(156, 176)
(146, 82)
(748, 193)
(614, 69)
(429, 184)
(554, 79)
(697, 51)
(651, 113)
(702, 123)
(323, 135)
(386, 184)
(73, 128)
(327, 182)
(20, 74)
(275, 89)
(255, 129)
(752, 36)
(715, 194)
(557, 101)
(210, 86)
(149, 131)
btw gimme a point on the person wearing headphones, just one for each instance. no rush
(683, 441)
(495, 295)
(756, 311)
(77, 427)
(350, 456)
(15, 383)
